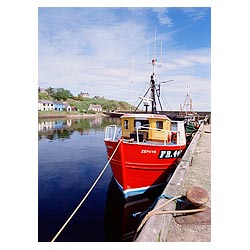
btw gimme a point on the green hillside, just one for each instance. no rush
(83, 104)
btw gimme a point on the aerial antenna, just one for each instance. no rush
(155, 46)
(148, 52)
(132, 71)
(161, 53)
(155, 87)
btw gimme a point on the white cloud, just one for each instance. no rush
(180, 60)
(98, 59)
(163, 17)
(195, 14)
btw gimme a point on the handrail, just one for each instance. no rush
(111, 131)
(108, 132)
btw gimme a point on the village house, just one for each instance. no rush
(98, 97)
(95, 107)
(67, 107)
(42, 91)
(58, 106)
(45, 105)
(74, 108)
(83, 95)
(48, 105)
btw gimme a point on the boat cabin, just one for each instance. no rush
(147, 127)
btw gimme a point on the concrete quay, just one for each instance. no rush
(193, 170)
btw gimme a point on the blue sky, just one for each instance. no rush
(91, 50)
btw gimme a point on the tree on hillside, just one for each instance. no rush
(43, 96)
(50, 91)
(62, 94)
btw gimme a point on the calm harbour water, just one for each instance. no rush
(71, 154)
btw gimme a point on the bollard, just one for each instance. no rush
(197, 196)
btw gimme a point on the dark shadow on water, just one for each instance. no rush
(119, 222)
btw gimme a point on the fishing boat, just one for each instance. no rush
(149, 146)
(113, 113)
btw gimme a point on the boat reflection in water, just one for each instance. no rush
(120, 223)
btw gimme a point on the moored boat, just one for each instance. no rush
(113, 113)
(148, 147)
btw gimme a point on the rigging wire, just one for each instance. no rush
(166, 103)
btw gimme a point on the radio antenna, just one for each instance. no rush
(148, 53)
(155, 46)
(132, 71)
(161, 52)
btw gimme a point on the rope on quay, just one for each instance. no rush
(85, 197)
(156, 212)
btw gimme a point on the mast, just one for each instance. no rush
(152, 87)
(188, 106)
(153, 78)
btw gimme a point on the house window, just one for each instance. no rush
(126, 124)
(159, 124)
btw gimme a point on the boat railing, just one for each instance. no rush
(110, 132)
(167, 134)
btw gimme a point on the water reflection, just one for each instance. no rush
(71, 154)
(120, 222)
(59, 128)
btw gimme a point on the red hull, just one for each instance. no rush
(139, 166)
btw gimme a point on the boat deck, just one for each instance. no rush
(150, 143)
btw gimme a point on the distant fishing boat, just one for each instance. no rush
(191, 118)
(149, 146)
(113, 113)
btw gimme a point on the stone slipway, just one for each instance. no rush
(193, 170)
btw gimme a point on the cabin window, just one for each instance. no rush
(138, 123)
(174, 126)
(159, 124)
(126, 124)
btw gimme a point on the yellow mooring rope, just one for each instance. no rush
(85, 197)
(156, 211)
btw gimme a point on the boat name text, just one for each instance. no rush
(146, 151)
(169, 154)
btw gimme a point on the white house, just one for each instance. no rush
(95, 107)
(68, 108)
(83, 95)
(45, 105)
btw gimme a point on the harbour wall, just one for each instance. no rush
(162, 227)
